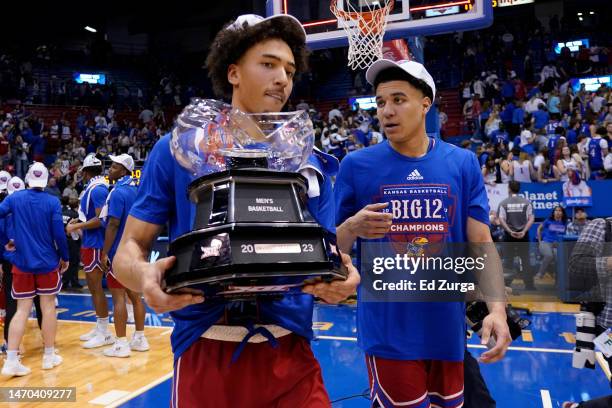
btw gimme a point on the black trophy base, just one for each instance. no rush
(248, 260)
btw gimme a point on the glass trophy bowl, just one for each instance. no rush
(208, 132)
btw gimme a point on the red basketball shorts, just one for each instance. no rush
(287, 376)
(415, 383)
(111, 280)
(26, 285)
(91, 259)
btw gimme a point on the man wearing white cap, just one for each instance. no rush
(15, 184)
(427, 191)
(218, 360)
(114, 215)
(5, 176)
(92, 201)
(41, 255)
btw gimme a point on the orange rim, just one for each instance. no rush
(369, 21)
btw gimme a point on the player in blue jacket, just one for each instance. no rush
(253, 61)
(427, 192)
(40, 256)
(114, 216)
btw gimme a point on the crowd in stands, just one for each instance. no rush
(62, 145)
(540, 133)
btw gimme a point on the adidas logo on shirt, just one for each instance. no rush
(415, 175)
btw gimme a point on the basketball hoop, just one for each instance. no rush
(365, 30)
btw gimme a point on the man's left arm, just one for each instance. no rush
(491, 282)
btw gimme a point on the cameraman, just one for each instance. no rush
(591, 260)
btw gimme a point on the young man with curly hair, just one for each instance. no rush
(218, 361)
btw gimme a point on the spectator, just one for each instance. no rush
(492, 123)
(20, 152)
(597, 151)
(516, 217)
(489, 171)
(549, 233)
(70, 191)
(52, 188)
(580, 221)
(145, 116)
(334, 114)
(70, 278)
(522, 168)
(518, 118)
(554, 105)
(565, 163)
(608, 165)
(5, 154)
(540, 117)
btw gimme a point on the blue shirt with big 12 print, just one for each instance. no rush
(431, 198)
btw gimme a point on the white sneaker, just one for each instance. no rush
(50, 361)
(14, 368)
(99, 340)
(89, 335)
(119, 349)
(139, 344)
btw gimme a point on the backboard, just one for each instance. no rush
(408, 18)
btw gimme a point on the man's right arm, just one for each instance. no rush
(136, 273)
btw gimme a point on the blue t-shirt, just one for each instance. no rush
(552, 230)
(413, 330)
(572, 137)
(551, 127)
(500, 137)
(162, 199)
(553, 104)
(506, 114)
(540, 119)
(93, 238)
(121, 200)
(553, 141)
(518, 116)
(38, 230)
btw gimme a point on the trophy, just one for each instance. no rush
(252, 234)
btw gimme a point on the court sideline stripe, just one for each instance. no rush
(546, 401)
(478, 346)
(140, 391)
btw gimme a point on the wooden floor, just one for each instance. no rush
(99, 380)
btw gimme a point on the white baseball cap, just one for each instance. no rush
(15, 184)
(38, 175)
(412, 68)
(253, 19)
(123, 159)
(91, 161)
(5, 176)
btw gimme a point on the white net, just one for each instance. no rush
(365, 24)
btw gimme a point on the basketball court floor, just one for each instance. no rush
(536, 372)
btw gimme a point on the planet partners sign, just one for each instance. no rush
(543, 197)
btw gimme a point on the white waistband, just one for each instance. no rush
(238, 333)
